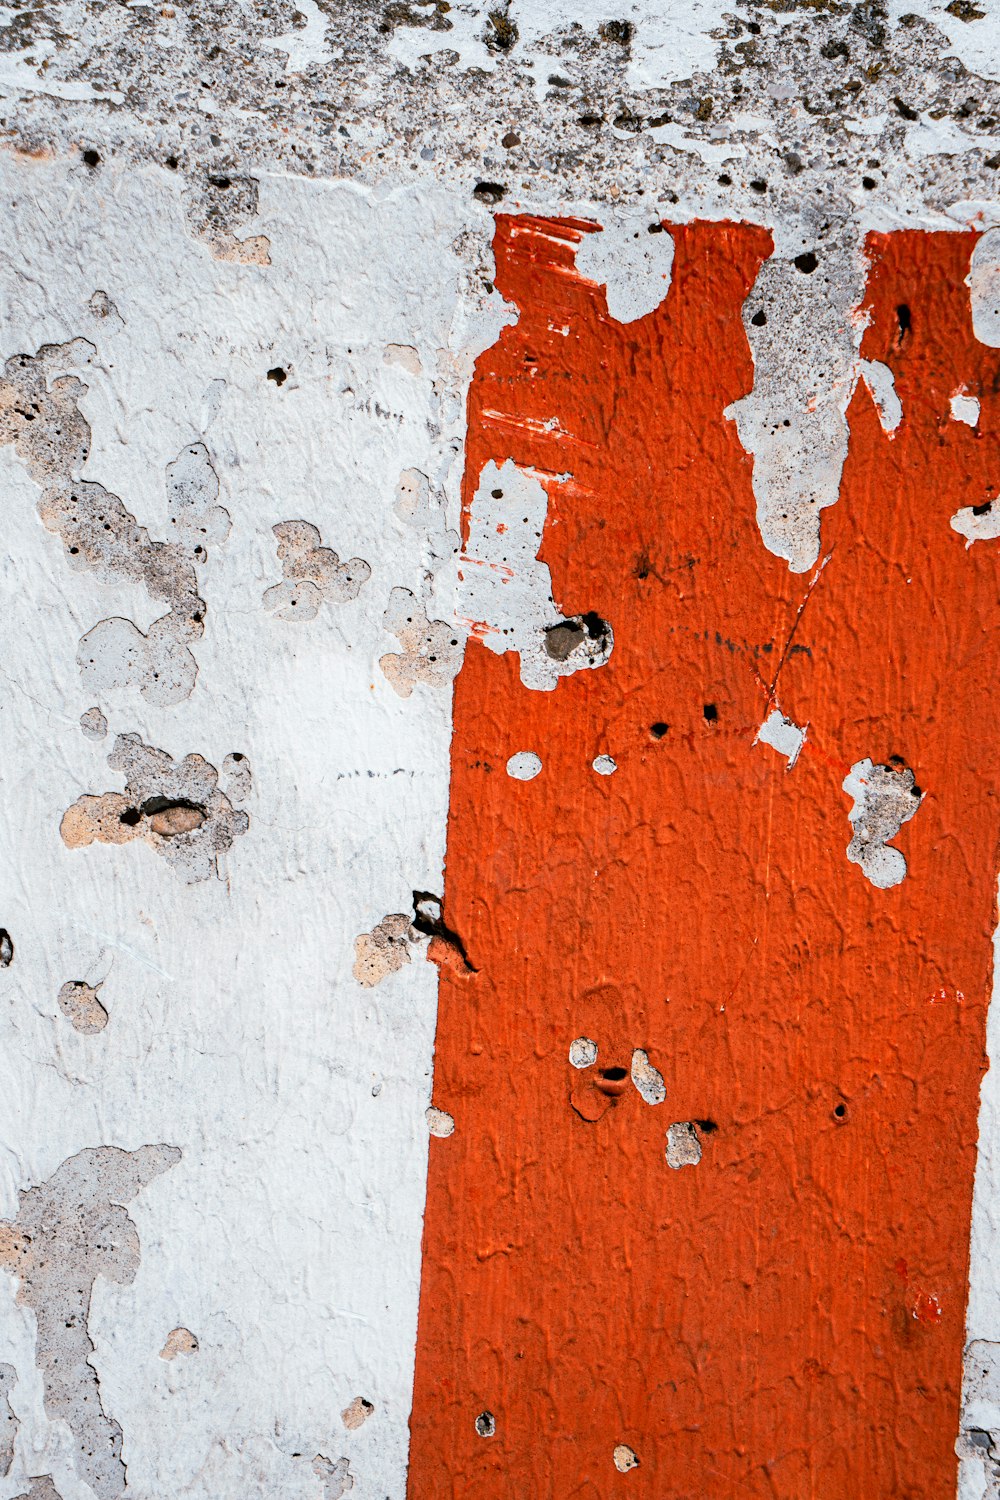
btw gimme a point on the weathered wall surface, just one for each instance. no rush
(501, 495)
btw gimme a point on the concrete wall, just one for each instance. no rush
(499, 594)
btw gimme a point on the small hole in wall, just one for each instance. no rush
(711, 713)
(725, 179)
(278, 375)
(497, 494)
(91, 158)
(840, 1111)
(904, 320)
(659, 729)
(486, 1424)
(6, 949)
(806, 262)
(130, 816)
(982, 510)
(613, 1075)
(759, 319)
(173, 163)
(707, 1127)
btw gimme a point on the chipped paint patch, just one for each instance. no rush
(431, 650)
(81, 1006)
(885, 797)
(782, 735)
(67, 1232)
(384, 950)
(312, 574)
(175, 807)
(179, 1341)
(505, 590)
(647, 1079)
(683, 1147)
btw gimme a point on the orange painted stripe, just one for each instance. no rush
(786, 1318)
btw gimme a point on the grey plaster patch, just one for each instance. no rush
(175, 807)
(505, 590)
(67, 1232)
(311, 574)
(431, 650)
(683, 1145)
(885, 797)
(219, 206)
(94, 724)
(336, 1478)
(8, 1421)
(43, 1488)
(647, 1079)
(81, 1006)
(983, 282)
(41, 416)
(631, 257)
(805, 340)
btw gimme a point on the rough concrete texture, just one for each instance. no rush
(249, 274)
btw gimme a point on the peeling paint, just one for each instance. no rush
(885, 797)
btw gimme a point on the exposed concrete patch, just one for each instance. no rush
(440, 1122)
(43, 1488)
(885, 797)
(805, 337)
(337, 1477)
(67, 1232)
(631, 257)
(384, 950)
(977, 523)
(355, 1415)
(979, 1432)
(683, 1145)
(647, 1079)
(218, 204)
(40, 415)
(583, 1052)
(8, 1421)
(431, 649)
(505, 591)
(94, 724)
(179, 1341)
(79, 1003)
(782, 735)
(176, 807)
(625, 1458)
(311, 574)
(983, 282)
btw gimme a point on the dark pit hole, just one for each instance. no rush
(725, 179)
(759, 319)
(6, 949)
(237, 755)
(707, 1127)
(711, 713)
(753, 28)
(659, 729)
(806, 262)
(489, 192)
(278, 375)
(840, 1111)
(91, 158)
(869, 183)
(130, 816)
(613, 1075)
(497, 494)
(617, 31)
(904, 320)
(759, 185)
(486, 1424)
(220, 182)
(173, 163)
(591, 120)
(982, 510)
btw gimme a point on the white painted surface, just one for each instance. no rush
(287, 1238)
